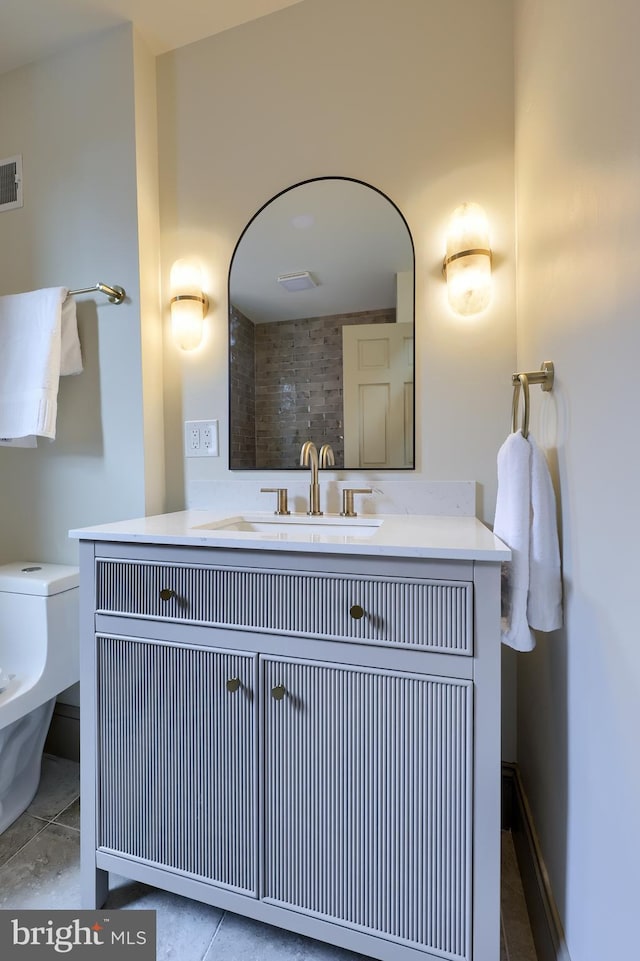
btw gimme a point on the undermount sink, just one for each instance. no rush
(293, 526)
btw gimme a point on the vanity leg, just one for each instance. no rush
(95, 888)
(94, 881)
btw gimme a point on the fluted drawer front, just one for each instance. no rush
(368, 801)
(428, 614)
(176, 743)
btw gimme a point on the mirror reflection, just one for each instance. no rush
(321, 330)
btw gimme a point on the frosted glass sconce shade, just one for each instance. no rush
(189, 305)
(467, 265)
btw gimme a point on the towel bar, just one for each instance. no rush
(116, 294)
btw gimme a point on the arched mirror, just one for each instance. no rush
(321, 330)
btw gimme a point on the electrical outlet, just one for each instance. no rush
(209, 437)
(201, 438)
(191, 438)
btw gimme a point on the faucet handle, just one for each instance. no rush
(347, 500)
(283, 507)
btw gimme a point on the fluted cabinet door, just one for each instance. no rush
(176, 739)
(367, 801)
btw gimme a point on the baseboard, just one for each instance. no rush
(545, 920)
(63, 738)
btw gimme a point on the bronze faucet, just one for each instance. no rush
(309, 458)
(326, 456)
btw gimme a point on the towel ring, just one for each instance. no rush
(523, 381)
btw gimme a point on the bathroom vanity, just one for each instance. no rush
(300, 722)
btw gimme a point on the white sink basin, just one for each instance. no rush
(295, 526)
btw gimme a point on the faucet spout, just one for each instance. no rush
(309, 458)
(326, 456)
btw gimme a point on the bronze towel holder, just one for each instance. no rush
(544, 377)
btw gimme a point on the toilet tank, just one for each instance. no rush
(39, 647)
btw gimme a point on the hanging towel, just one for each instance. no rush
(38, 343)
(70, 356)
(513, 526)
(544, 605)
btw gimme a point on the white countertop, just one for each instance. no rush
(399, 535)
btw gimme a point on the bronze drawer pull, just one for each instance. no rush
(166, 594)
(356, 612)
(233, 684)
(278, 692)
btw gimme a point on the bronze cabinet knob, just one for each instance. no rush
(167, 593)
(356, 612)
(278, 692)
(233, 684)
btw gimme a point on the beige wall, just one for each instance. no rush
(415, 98)
(578, 191)
(72, 118)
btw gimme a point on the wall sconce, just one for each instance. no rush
(467, 265)
(189, 306)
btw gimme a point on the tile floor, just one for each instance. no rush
(39, 867)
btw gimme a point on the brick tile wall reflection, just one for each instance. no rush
(298, 386)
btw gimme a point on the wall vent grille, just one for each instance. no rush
(11, 183)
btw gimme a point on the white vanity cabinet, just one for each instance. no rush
(308, 739)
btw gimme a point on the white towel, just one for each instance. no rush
(513, 526)
(38, 343)
(544, 605)
(70, 356)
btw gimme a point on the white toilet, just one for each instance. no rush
(39, 658)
